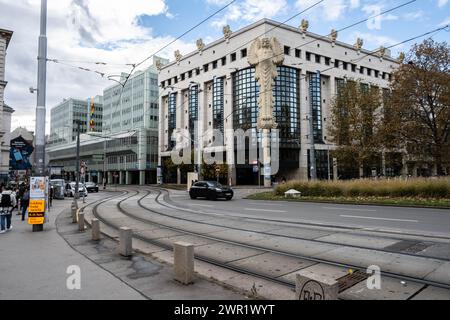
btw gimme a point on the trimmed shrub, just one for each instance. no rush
(420, 187)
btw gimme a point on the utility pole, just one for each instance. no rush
(41, 94)
(77, 167)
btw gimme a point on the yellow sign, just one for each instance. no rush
(36, 206)
(36, 220)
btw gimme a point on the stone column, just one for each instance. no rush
(178, 175)
(121, 177)
(304, 111)
(266, 158)
(141, 178)
(110, 178)
(127, 177)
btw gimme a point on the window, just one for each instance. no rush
(172, 116)
(243, 53)
(361, 70)
(224, 61)
(233, 57)
(336, 63)
(353, 67)
(377, 74)
(287, 50)
(369, 72)
(190, 74)
(193, 110)
(298, 53)
(345, 65)
(197, 71)
(286, 107)
(383, 76)
(308, 56)
(169, 82)
(183, 76)
(205, 67)
(214, 64)
(218, 99)
(327, 61)
(318, 57)
(315, 88)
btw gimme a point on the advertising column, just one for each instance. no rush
(38, 194)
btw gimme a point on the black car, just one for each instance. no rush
(91, 187)
(211, 190)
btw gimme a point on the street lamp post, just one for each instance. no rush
(41, 94)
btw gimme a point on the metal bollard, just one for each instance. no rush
(183, 262)
(81, 226)
(95, 224)
(126, 242)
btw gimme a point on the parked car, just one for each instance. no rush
(91, 187)
(70, 190)
(211, 190)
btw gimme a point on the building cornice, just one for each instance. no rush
(276, 24)
(6, 34)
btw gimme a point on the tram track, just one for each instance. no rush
(241, 245)
(281, 235)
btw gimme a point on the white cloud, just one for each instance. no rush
(445, 22)
(330, 10)
(442, 3)
(249, 10)
(105, 31)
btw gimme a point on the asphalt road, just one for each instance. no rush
(399, 219)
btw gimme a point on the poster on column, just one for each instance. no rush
(38, 193)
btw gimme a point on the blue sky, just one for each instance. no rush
(406, 22)
(120, 32)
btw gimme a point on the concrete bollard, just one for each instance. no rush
(183, 262)
(95, 224)
(75, 215)
(315, 287)
(126, 242)
(81, 226)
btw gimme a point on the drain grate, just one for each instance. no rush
(418, 247)
(408, 246)
(350, 280)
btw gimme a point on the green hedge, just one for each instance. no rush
(422, 188)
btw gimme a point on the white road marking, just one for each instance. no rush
(350, 209)
(264, 210)
(266, 204)
(202, 205)
(374, 218)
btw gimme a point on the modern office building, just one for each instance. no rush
(216, 86)
(5, 111)
(65, 116)
(126, 149)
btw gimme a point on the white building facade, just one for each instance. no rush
(216, 87)
(5, 111)
(125, 151)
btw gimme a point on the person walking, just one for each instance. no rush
(7, 203)
(25, 203)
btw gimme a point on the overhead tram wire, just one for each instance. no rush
(311, 7)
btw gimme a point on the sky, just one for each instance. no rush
(118, 33)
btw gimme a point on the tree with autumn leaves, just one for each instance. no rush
(419, 109)
(413, 117)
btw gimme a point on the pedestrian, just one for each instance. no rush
(25, 202)
(50, 196)
(7, 203)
